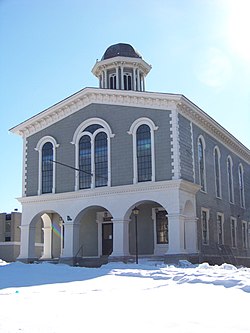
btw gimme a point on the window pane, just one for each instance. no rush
(101, 160)
(92, 128)
(144, 158)
(85, 162)
(47, 168)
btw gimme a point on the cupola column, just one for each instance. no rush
(117, 77)
(122, 80)
(134, 79)
(138, 80)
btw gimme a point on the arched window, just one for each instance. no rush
(143, 149)
(144, 156)
(92, 141)
(241, 186)
(201, 162)
(46, 148)
(217, 172)
(127, 81)
(230, 179)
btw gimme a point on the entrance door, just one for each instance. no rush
(107, 238)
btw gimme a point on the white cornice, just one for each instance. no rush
(116, 190)
(120, 61)
(208, 124)
(160, 101)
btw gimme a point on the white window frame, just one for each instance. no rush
(241, 188)
(230, 177)
(38, 148)
(233, 240)
(204, 162)
(220, 218)
(132, 131)
(215, 175)
(75, 141)
(207, 224)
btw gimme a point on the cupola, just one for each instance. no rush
(121, 67)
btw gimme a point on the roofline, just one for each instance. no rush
(161, 101)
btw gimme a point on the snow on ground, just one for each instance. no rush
(149, 297)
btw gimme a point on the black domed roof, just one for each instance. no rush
(122, 50)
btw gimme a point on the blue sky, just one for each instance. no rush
(198, 48)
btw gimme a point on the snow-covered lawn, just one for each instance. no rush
(148, 297)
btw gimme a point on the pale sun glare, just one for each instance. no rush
(238, 27)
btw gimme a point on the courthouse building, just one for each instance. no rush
(92, 158)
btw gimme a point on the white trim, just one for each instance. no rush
(193, 159)
(132, 131)
(10, 243)
(75, 141)
(175, 150)
(24, 173)
(38, 148)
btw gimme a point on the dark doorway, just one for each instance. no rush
(107, 238)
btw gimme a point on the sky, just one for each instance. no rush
(198, 48)
(149, 297)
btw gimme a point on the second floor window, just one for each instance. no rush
(201, 161)
(241, 187)
(144, 158)
(217, 173)
(230, 179)
(47, 167)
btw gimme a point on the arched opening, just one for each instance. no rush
(46, 236)
(95, 236)
(152, 229)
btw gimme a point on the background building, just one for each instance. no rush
(92, 158)
(10, 236)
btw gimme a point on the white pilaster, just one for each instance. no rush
(191, 234)
(71, 242)
(47, 243)
(175, 145)
(176, 234)
(120, 238)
